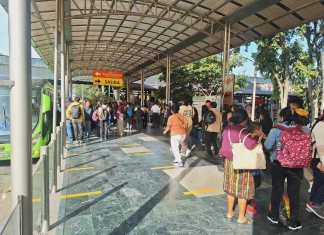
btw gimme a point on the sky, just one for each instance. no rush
(246, 69)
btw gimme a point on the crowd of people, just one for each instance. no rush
(84, 119)
(288, 147)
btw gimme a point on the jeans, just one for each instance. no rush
(103, 129)
(176, 141)
(211, 140)
(69, 131)
(77, 128)
(87, 129)
(317, 192)
(294, 177)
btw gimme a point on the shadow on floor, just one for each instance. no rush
(87, 205)
(132, 221)
(86, 178)
(85, 163)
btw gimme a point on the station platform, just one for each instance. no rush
(129, 186)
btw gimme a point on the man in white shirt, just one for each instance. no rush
(156, 110)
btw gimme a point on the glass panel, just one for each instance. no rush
(38, 184)
(4, 115)
(13, 223)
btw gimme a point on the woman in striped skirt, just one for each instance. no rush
(238, 184)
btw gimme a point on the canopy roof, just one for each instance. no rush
(131, 35)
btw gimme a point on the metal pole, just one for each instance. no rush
(56, 65)
(142, 88)
(167, 89)
(127, 91)
(58, 148)
(322, 103)
(253, 97)
(54, 154)
(20, 108)
(45, 202)
(63, 51)
(67, 78)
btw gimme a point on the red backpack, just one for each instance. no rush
(296, 150)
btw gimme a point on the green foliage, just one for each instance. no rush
(202, 77)
(91, 92)
(282, 58)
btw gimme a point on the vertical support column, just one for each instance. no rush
(67, 78)
(226, 55)
(63, 52)
(128, 90)
(253, 96)
(20, 108)
(56, 64)
(142, 88)
(168, 80)
(322, 102)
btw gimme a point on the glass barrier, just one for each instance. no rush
(12, 225)
(51, 165)
(38, 184)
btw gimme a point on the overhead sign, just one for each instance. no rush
(108, 78)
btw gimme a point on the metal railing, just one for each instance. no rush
(45, 181)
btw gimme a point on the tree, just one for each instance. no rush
(283, 60)
(313, 35)
(202, 77)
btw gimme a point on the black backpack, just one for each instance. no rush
(210, 117)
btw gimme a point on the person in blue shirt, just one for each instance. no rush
(280, 173)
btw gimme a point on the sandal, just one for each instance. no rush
(246, 221)
(230, 217)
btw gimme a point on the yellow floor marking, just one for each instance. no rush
(77, 195)
(139, 154)
(36, 200)
(163, 167)
(71, 196)
(200, 192)
(71, 155)
(130, 145)
(74, 169)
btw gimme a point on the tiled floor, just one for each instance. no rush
(129, 186)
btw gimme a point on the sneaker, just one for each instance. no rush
(272, 220)
(295, 226)
(175, 161)
(180, 164)
(188, 152)
(315, 209)
(193, 147)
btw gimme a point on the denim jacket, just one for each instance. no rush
(272, 142)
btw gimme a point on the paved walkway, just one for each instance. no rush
(129, 186)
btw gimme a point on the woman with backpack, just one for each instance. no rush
(238, 184)
(290, 145)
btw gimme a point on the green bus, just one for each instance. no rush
(41, 118)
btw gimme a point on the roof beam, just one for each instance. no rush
(251, 9)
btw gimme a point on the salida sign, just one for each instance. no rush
(108, 78)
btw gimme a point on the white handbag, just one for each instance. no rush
(247, 159)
